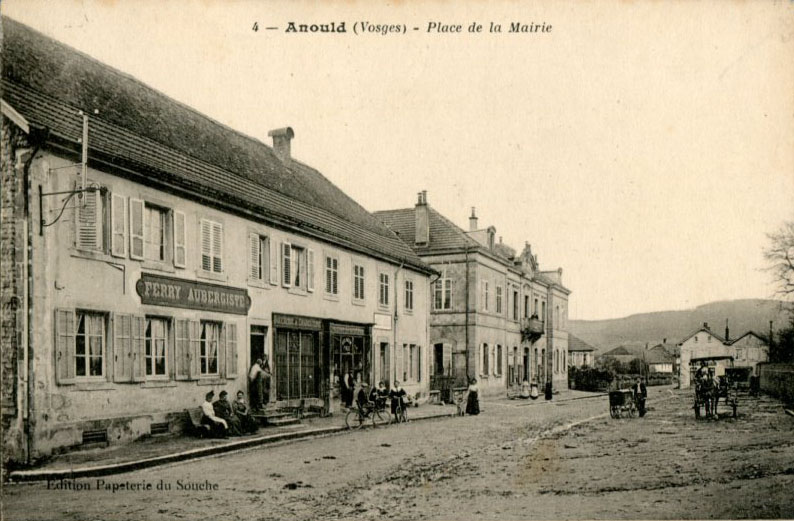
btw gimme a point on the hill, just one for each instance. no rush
(653, 328)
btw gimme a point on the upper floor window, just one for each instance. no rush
(154, 233)
(515, 305)
(499, 299)
(331, 275)
(258, 257)
(358, 282)
(409, 295)
(485, 295)
(543, 310)
(383, 293)
(526, 306)
(536, 309)
(485, 359)
(442, 294)
(297, 267)
(91, 221)
(211, 246)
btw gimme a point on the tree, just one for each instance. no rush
(637, 366)
(780, 256)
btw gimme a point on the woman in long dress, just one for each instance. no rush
(255, 385)
(473, 401)
(266, 376)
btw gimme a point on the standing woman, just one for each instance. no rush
(255, 385)
(473, 401)
(266, 376)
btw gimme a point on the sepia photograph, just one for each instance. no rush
(272, 260)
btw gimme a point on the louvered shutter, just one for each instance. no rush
(286, 264)
(231, 350)
(273, 261)
(335, 276)
(310, 270)
(138, 348)
(194, 333)
(206, 245)
(122, 348)
(254, 257)
(180, 240)
(64, 346)
(328, 282)
(118, 237)
(88, 226)
(217, 247)
(221, 354)
(136, 229)
(182, 351)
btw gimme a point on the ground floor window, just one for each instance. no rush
(156, 346)
(89, 349)
(208, 355)
(485, 359)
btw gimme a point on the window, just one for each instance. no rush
(208, 348)
(485, 359)
(498, 368)
(211, 246)
(90, 219)
(557, 316)
(526, 306)
(180, 240)
(358, 282)
(154, 233)
(331, 275)
(297, 264)
(156, 345)
(515, 305)
(383, 293)
(543, 315)
(499, 300)
(258, 257)
(537, 311)
(414, 361)
(409, 295)
(89, 348)
(696, 338)
(485, 295)
(442, 294)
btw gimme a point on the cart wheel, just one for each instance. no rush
(613, 411)
(697, 410)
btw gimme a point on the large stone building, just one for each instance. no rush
(149, 254)
(495, 315)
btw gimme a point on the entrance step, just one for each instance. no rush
(282, 421)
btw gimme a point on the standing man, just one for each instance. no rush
(256, 385)
(640, 394)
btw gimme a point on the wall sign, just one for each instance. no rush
(296, 322)
(189, 294)
(382, 321)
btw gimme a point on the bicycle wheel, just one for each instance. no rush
(381, 417)
(353, 419)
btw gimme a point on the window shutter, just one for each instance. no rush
(194, 335)
(138, 349)
(122, 348)
(254, 257)
(88, 231)
(182, 351)
(118, 237)
(335, 276)
(221, 354)
(206, 245)
(310, 270)
(273, 262)
(64, 346)
(136, 229)
(217, 247)
(231, 350)
(180, 240)
(286, 264)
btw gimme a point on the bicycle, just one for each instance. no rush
(356, 417)
(401, 413)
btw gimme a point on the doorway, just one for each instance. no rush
(383, 363)
(258, 344)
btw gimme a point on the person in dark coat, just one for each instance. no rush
(223, 410)
(256, 384)
(640, 394)
(348, 385)
(473, 400)
(248, 423)
(397, 395)
(266, 382)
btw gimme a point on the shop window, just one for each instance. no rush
(499, 300)
(208, 348)
(89, 349)
(409, 295)
(156, 345)
(383, 293)
(358, 282)
(331, 275)
(442, 294)
(211, 246)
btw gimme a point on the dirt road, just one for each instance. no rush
(495, 466)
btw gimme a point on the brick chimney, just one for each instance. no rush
(281, 142)
(473, 221)
(727, 331)
(422, 216)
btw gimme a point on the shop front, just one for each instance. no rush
(297, 368)
(349, 352)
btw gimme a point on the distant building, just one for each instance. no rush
(749, 350)
(623, 354)
(580, 353)
(661, 358)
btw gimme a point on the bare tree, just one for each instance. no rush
(780, 256)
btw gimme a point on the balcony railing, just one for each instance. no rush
(532, 328)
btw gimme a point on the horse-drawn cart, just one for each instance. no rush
(709, 387)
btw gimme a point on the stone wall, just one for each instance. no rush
(778, 380)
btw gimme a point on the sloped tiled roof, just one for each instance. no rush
(705, 330)
(619, 351)
(760, 337)
(170, 144)
(577, 344)
(444, 234)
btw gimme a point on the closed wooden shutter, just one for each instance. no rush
(64, 346)
(136, 229)
(138, 348)
(286, 264)
(231, 350)
(180, 240)
(310, 270)
(194, 332)
(221, 354)
(254, 257)
(273, 261)
(206, 245)
(88, 226)
(217, 247)
(122, 348)
(181, 351)
(118, 238)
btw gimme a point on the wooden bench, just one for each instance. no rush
(195, 427)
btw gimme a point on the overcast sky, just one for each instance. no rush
(644, 147)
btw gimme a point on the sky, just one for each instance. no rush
(647, 148)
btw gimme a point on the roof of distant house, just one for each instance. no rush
(705, 329)
(753, 333)
(147, 136)
(577, 344)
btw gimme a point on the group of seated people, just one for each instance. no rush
(225, 418)
(376, 398)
